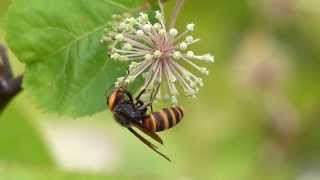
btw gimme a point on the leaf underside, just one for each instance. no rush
(67, 69)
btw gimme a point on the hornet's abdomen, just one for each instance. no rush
(163, 120)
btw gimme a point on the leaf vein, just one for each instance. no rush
(84, 36)
(117, 4)
(111, 2)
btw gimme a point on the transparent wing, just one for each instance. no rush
(151, 134)
(149, 144)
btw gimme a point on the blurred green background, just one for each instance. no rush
(257, 117)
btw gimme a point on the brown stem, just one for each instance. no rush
(176, 12)
(162, 9)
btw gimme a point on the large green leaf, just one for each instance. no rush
(67, 68)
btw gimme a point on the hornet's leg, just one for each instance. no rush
(139, 102)
(129, 95)
(153, 96)
(140, 94)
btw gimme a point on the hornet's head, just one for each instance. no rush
(117, 95)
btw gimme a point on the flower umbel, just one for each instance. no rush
(157, 53)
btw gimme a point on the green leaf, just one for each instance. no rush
(67, 69)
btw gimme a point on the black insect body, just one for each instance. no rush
(125, 111)
(130, 112)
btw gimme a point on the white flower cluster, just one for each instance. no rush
(156, 53)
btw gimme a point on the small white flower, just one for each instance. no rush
(156, 53)
(148, 57)
(119, 37)
(144, 16)
(127, 46)
(147, 27)
(204, 71)
(159, 15)
(190, 54)
(189, 39)
(157, 26)
(208, 57)
(162, 32)
(183, 46)
(177, 55)
(115, 56)
(173, 32)
(190, 27)
(140, 32)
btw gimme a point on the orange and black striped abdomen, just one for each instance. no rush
(164, 119)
